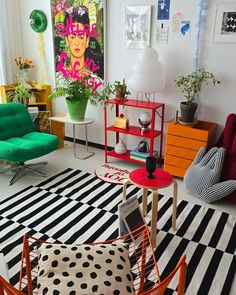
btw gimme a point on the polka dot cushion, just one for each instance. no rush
(84, 269)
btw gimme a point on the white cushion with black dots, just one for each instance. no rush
(84, 269)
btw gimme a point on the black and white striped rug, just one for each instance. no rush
(77, 207)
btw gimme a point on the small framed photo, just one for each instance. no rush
(138, 22)
(163, 9)
(225, 23)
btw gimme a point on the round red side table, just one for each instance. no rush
(162, 179)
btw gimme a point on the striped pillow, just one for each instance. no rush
(203, 176)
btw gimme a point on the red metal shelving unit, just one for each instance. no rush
(135, 130)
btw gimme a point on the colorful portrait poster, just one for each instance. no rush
(78, 27)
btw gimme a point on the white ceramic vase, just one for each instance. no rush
(121, 148)
(24, 75)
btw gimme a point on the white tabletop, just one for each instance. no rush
(66, 119)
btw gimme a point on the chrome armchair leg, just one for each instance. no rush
(20, 169)
(36, 172)
(7, 169)
(17, 175)
(36, 164)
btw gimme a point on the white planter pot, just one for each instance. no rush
(24, 75)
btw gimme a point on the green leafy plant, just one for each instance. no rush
(76, 90)
(22, 94)
(192, 83)
(120, 89)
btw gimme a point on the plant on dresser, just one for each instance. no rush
(190, 85)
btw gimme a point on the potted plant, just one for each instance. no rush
(78, 93)
(22, 94)
(190, 85)
(23, 66)
(120, 90)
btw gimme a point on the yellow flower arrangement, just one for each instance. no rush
(23, 63)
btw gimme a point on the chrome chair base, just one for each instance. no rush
(20, 168)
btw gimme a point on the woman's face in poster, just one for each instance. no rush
(78, 43)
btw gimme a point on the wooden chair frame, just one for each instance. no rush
(144, 267)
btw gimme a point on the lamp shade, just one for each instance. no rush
(147, 73)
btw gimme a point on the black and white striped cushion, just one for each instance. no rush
(203, 175)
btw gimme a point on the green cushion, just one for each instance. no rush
(19, 142)
(27, 147)
(15, 121)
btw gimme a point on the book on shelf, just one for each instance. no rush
(141, 155)
(138, 159)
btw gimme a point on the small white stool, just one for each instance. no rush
(67, 120)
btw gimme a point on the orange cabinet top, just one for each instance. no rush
(200, 131)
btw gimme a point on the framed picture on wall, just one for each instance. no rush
(225, 25)
(78, 30)
(138, 23)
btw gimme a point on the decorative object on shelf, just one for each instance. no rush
(23, 63)
(147, 75)
(145, 120)
(190, 85)
(225, 23)
(141, 156)
(151, 164)
(138, 23)
(143, 146)
(78, 93)
(22, 94)
(120, 147)
(120, 90)
(121, 122)
(24, 76)
(38, 21)
(40, 96)
(23, 66)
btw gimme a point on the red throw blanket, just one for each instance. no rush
(228, 141)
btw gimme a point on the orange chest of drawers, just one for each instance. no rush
(183, 142)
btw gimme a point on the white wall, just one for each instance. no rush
(177, 57)
(29, 37)
(10, 38)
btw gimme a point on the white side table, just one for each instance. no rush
(67, 120)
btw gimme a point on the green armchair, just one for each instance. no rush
(20, 142)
